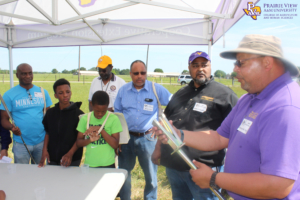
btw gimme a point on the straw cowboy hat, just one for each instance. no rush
(265, 45)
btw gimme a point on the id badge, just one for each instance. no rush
(148, 107)
(200, 107)
(245, 125)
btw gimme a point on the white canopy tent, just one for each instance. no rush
(52, 23)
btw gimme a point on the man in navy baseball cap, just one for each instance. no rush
(200, 67)
(202, 104)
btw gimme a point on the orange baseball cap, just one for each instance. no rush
(104, 61)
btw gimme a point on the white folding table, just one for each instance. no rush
(61, 183)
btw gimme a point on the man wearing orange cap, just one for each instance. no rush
(107, 81)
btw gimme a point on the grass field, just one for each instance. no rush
(80, 92)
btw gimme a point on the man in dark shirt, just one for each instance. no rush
(202, 105)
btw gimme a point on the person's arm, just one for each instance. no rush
(118, 104)
(252, 185)
(201, 140)
(155, 157)
(45, 154)
(7, 125)
(112, 140)
(67, 158)
(5, 141)
(81, 141)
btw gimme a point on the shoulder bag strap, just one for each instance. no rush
(103, 123)
(43, 93)
(158, 102)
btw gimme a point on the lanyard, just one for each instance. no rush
(104, 85)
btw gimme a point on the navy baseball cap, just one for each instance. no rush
(198, 54)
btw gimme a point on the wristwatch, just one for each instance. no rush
(212, 182)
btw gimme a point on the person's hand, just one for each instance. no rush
(45, 155)
(2, 195)
(119, 149)
(16, 130)
(92, 130)
(94, 137)
(202, 175)
(161, 136)
(66, 160)
(155, 157)
(3, 153)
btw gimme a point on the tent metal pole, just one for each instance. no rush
(147, 58)
(11, 71)
(79, 65)
(209, 49)
(55, 11)
(7, 1)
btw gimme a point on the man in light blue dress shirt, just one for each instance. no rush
(137, 101)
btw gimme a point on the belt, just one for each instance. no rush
(139, 134)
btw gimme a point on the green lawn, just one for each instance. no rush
(80, 92)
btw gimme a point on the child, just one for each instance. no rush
(60, 123)
(99, 148)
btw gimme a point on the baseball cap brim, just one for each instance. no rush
(102, 65)
(292, 68)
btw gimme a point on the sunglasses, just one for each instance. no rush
(239, 63)
(29, 95)
(137, 73)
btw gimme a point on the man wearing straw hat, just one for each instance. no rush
(261, 132)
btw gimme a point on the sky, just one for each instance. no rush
(170, 58)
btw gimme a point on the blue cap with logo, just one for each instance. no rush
(198, 54)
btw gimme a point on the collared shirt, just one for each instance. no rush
(194, 109)
(26, 107)
(111, 88)
(140, 108)
(263, 133)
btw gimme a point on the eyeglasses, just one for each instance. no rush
(29, 95)
(239, 63)
(137, 73)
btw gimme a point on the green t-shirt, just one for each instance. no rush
(100, 153)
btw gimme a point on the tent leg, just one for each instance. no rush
(11, 71)
(209, 49)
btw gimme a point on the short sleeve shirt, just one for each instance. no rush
(112, 88)
(26, 107)
(263, 133)
(100, 153)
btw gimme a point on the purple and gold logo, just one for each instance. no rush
(113, 88)
(86, 3)
(252, 10)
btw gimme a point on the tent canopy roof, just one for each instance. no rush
(40, 23)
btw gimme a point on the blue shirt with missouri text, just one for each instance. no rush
(26, 107)
(140, 108)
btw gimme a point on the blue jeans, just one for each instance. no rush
(22, 156)
(142, 147)
(183, 188)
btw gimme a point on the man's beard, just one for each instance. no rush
(104, 76)
(201, 81)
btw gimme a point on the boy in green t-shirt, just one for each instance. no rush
(99, 148)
